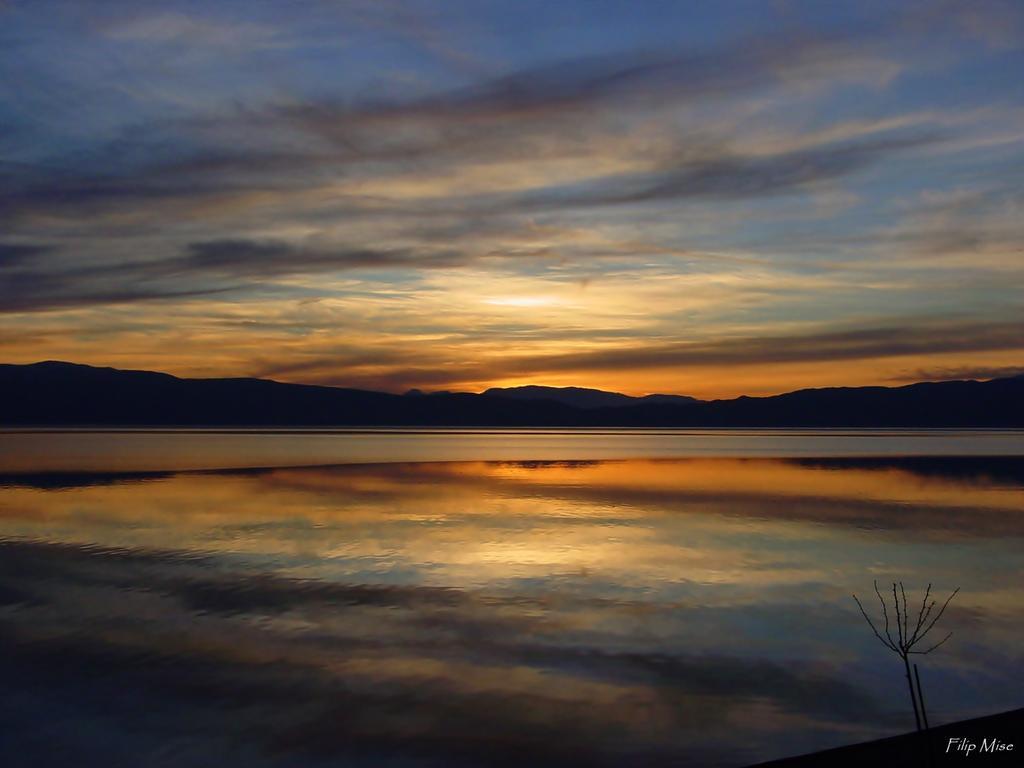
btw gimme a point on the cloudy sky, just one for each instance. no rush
(694, 197)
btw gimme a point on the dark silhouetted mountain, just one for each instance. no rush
(669, 399)
(580, 397)
(414, 392)
(54, 393)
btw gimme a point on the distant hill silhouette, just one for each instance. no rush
(55, 393)
(581, 397)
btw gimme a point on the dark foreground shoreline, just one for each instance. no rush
(909, 749)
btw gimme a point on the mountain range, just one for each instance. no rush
(580, 397)
(58, 393)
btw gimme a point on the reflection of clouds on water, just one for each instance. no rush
(433, 673)
(554, 612)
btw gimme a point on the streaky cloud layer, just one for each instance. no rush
(711, 201)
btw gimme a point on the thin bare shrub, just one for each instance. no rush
(905, 636)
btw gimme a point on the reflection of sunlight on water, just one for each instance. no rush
(644, 609)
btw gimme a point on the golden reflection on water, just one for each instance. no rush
(676, 608)
(546, 512)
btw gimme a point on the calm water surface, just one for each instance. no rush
(488, 598)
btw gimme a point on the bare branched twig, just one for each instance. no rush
(909, 633)
(907, 636)
(886, 641)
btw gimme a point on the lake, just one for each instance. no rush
(492, 597)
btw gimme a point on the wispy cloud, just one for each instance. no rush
(205, 268)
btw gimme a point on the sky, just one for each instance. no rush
(704, 198)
